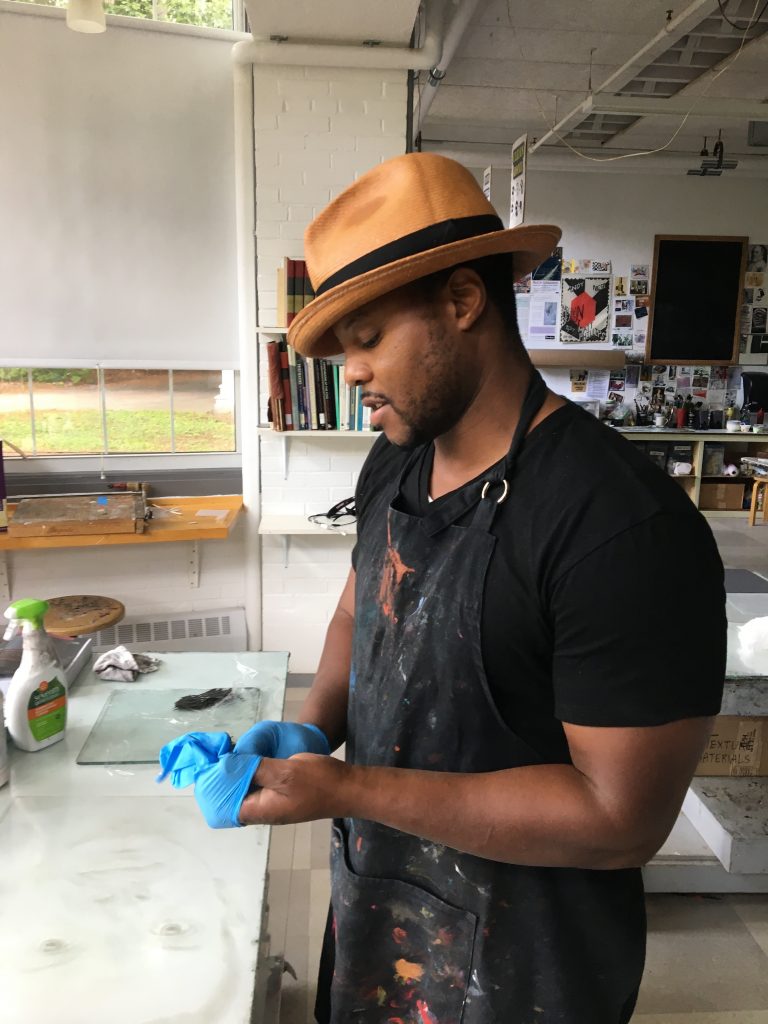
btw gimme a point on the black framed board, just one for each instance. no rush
(695, 299)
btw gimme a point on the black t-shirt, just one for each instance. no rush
(604, 601)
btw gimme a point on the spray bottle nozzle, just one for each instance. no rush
(28, 609)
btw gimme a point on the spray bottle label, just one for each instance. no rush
(47, 709)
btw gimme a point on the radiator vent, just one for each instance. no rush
(186, 631)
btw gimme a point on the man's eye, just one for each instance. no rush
(371, 342)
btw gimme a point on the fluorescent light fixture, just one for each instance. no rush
(86, 16)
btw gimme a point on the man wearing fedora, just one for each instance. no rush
(519, 732)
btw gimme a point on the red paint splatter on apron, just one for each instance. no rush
(399, 935)
(392, 576)
(427, 1017)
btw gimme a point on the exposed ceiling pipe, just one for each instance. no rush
(552, 159)
(689, 18)
(350, 55)
(453, 36)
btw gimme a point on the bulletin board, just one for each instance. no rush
(695, 298)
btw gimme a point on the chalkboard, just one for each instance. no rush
(695, 299)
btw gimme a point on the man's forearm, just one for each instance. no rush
(543, 815)
(326, 703)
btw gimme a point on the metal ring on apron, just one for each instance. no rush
(504, 494)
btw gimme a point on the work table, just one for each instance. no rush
(118, 902)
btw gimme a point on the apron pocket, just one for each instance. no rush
(401, 956)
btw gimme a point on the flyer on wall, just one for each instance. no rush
(517, 195)
(544, 311)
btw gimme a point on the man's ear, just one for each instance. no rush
(467, 296)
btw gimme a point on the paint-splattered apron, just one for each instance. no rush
(419, 932)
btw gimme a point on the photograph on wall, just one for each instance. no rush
(658, 375)
(633, 375)
(718, 377)
(620, 287)
(759, 344)
(617, 380)
(755, 280)
(642, 305)
(759, 319)
(623, 305)
(622, 338)
(640, 339)
(658, 394)
(623, 319)
(757, 258)
(523, 286)
(639, 270)
(579, 382)
(638, 286)
(683, 378)
(760, 296)
(584, 309)
(550, 269)
(748, 296)
(646, 372)
(599, 267)
(743, 343)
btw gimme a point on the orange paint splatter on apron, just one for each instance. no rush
(392, 576)
(406, 971)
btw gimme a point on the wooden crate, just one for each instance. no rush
(78, 514)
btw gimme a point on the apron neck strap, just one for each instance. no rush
(495, 488)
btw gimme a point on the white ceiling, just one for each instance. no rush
(522, 65)
(390, 21)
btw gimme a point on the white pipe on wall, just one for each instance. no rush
(248, 345)
(453, 37)
(261, 51)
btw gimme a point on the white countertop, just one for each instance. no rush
(117, 902)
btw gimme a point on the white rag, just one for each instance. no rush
(121, 666)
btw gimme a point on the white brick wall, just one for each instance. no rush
(317, 129)
(147, 578)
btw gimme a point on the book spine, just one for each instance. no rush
(301, 397)
(344, 396)
(353, 392)
(337, 398)
(282, 294)
(295, 405)
(311, 393)
(360, 408)
(326, 393)
(275, 407)
(319, 398)
(308, 292)
(366, 425)
(291, 297)
(285, 379)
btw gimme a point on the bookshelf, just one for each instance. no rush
(698, 439)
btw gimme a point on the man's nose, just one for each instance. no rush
(356, 371)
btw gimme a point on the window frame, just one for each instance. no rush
(125, 461)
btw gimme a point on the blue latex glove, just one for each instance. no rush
(221, 788)
(282, 740)
(188, 755)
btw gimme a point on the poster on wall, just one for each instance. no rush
(517, 196)
(544, 310)
(757, 258)
(584, 310)
(620, 287)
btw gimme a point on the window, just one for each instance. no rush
(209, 13)
(117, 411)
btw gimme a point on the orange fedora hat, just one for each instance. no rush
(402, 220)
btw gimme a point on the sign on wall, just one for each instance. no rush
(517, 198)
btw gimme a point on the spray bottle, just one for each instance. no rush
(36, 704)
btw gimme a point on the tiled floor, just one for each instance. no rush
(707, 956)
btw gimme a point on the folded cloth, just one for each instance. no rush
(122, 666)
(189, 755)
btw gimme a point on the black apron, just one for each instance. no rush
(420, 933)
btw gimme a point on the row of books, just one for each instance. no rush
(311, 394)
(294, 290)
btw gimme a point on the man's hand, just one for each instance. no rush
(306, 787)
